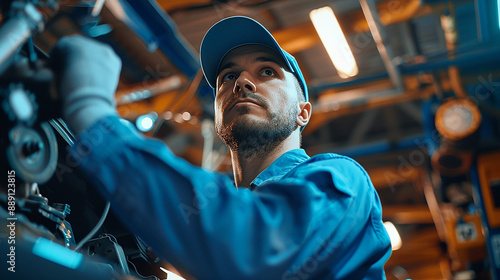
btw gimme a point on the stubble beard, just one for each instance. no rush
(252, 138)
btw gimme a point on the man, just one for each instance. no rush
(293, 217)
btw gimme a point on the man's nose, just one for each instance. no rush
(244, 83)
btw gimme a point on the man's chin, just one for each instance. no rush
(244, 120)
(253, 133)
(250, 123)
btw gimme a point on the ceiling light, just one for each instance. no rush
(186, 116)
(335, 43)
(393, 235)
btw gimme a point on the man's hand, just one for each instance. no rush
(87, 74)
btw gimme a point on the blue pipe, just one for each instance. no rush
(384, 146)
(467, 55)
(482, 18)
(151, 23)
(489, 232)
(480, 56)
(350, 82)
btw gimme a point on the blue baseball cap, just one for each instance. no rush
(233, 32)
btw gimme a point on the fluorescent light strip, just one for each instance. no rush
(335, 43)
(498, 12)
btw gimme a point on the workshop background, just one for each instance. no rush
(420, 110)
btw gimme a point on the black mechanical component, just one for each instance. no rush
(458, 122)
(132, 252)
(33, 139)
(33, 153)
(19, 105)
(37, 209)
(141, 255)
(107, 247)
(24, 21)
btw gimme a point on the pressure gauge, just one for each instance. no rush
(457, 119)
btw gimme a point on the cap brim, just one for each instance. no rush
(235, 31)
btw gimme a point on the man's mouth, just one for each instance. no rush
(244, 102)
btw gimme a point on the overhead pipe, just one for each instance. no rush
(157, 30)
(484, 55)
(325, 111)
(168, 84)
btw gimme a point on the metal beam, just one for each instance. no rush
(362, 127)
(381, 39)
(412, 110)
(157, 29)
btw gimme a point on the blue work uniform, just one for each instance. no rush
(303, 217)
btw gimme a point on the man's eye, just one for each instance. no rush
(267, 73)
(229, 77)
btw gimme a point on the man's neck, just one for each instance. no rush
(247, 167)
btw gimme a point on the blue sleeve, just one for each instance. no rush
(200, 222)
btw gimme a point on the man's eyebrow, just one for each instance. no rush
(225, 66)
(257, 59)
(270, 59)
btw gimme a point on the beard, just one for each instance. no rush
(252, 138)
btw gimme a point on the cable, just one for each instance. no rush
(63, 131)
(109, 236)
(140, 275)
(35, 189)
(62, 123)
(96, 228)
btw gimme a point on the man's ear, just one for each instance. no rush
(305, 109)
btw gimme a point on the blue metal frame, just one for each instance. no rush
(489, 233)
(482, 51)
(351, 82)
(480, 56)
(466, 55)
(384, 146)
(483, 32)
(158, 30)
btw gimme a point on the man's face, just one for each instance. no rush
(255, 97)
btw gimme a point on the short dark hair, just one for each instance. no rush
(300, 91)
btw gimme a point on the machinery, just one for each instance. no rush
(54, 223)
